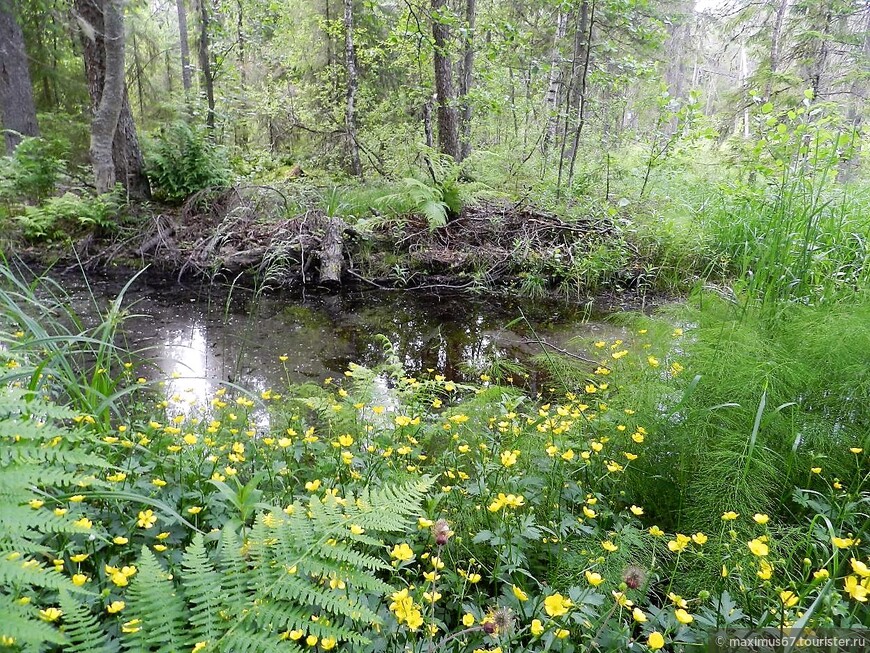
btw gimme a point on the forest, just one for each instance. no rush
(434, 326)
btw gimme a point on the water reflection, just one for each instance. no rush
(205, 336)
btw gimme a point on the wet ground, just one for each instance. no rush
(207, 334)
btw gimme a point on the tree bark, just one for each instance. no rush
(205, 63)
(105, 121)
(466, 79)
(352, 83)
(186, 80)
(126, 154)
(554, 86)
(448, 128)
(775, 45)
(17, 109)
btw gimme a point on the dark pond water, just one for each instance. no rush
(209, 334)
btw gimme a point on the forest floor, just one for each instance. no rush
(253, 231)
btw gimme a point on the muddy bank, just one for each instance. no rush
(259, 235)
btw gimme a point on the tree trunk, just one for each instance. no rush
(581, 92)
(186, 80)
(126, 155)
(352, 83)
(17, 109)
(776, 45)
(466, 78)
(858, 102)
(331, 257)
(105, 121)
(205, 63)
(554, 87)
(448, 128)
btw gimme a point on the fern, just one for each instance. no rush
(247, 596)
(82, 629)
(153, 601)
(35, 452)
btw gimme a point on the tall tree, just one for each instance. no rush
(776, 40)
(205, 62)
(448, 126)
(129, 166)
(108, 111)
(466, 77)
(352, 84)
(17, 109)
(186, 80)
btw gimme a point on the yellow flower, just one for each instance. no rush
(537, 627)
(509, 458)
(653, 361)
(589, 512)
(120, 540)
(680, 543)
(636, 510)
(562, 633)
(84, 522)
(678, 600)
(655, 531)
(519, 593)
(765, 570)
(402, 552)
(699, 538)
(859, 568)
(842, 542)
(313, 486)
(638, 615)
(816, 470)
(655, 640)
(622, 600)
(36, 504)
(556, 605)
(79, 557)
(468, 620)
(856, 450)
(729, 516)
(159, 482)
(758, 547)
(327, 643)
(821, 574)
(194, 510)
(855, 589)
(788, 598)
(79, 579)
(356, 529)
(147, 519)
(607, 545)
(594, 578)
(760, 518)
(683, 617)
(50, 614)
(311, 640)
(198, 647)
(115, 607)
(132, 626)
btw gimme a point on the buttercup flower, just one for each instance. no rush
(557, 605)
(655, 641)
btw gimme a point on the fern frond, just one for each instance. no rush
(82, 629)
(20, 623)
(203, 591)
(152, 600)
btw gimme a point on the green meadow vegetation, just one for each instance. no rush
(707, 470)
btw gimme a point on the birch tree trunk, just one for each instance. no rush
(448, 128)
(108, 111)
(466, 79)
(186, 80)
(554, 86)
(352, 84)
(205, 63)
(17, 109)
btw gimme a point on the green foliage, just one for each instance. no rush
(32, 171)
(39, 457)
(181, 161)
(58, 216)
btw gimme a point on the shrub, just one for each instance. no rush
(180, 161)
(57, 216)
(31, 172)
